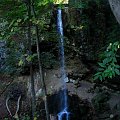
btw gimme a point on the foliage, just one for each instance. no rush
(92, 23)
(113, 32)
(26, 59)
(12, 57)
(15, 19)
(109, 66)
(26, 117)
(78, 4)
(48, 60)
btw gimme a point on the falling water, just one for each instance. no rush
(63, 98)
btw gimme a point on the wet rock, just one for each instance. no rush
(77, 83)
(75, 78)
(66, 80)
(79, 109)
(72, 81)
(91, 90)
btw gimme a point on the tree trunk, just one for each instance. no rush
(31, 66)
(40, 67)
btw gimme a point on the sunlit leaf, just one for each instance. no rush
(20, 63)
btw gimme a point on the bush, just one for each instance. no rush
(108, 67)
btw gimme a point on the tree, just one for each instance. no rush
(20, 21)
(31, 64)
(40, 65)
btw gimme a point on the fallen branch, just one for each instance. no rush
(18, 106)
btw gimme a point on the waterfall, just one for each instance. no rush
(63, 97)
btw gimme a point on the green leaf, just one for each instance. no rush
(96, 77)
(34, 55)
(106, 60)
(20, 63)
(11, 23)
(100, 77)
(110, 74)
(114, 59)
(100, 69)
(113, 73)
(109, 67)
(98, 73)
(117, 71)
(117, 66)
(111, 53)
(29, 58)
(106, 74)
(101, 65)
(103, 75)
(19, 20)
(107, 71)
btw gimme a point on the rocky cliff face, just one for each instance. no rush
(2, 52)
(115, 7)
